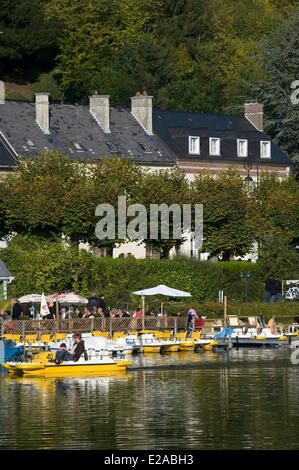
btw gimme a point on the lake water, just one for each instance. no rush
(241, 399)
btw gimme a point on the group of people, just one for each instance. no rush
(96, 306)
(273, 289)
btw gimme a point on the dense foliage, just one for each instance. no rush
(52, 196)
(191, 55)
(279, 58)
(43, 265)
(49, 205)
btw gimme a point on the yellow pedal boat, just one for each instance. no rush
(187, 345)
(43, 366)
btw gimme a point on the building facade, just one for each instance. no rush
(157, 139)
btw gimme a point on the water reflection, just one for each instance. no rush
(236, 400)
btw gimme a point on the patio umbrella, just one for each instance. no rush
(34, 298)
(44, 309)
(161, 289)
(71, 299)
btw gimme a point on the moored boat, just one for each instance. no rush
(44, 364)
(148, 343)
(9, 350)
(187, 345)
(99, 344)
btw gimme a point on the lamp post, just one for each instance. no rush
(246, 276)
(248, 180)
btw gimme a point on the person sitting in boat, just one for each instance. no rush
(79, 348)
(63, 354)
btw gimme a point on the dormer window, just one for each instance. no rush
(77, 146)
(242, 148)
(265, 149)
(144, 146)
(214, 146)
(29, 142)
(194, 145)
(111, 146)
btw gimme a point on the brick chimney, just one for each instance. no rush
(42, 111)
(254, 113)
(142, 110)
(99, 109)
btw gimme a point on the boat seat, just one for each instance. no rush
(105, 334)
(46, 338)
(16, 338)
(30, 338)
(224, 332)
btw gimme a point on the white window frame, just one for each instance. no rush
(197, 151)
(216, 154)
(238, 148)
(269, 148)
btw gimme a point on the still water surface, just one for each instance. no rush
(242, 399)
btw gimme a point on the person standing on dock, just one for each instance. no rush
(278, 289)
(93, 301)
(268, 287)
(17, 309)
(199, 323)
(191, 321)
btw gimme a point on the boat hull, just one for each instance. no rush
(207, 346)
(170, 348)
(187, 346)
(151, 349)
(256, 342)
(67, 368)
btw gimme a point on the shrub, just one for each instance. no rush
(42, 265)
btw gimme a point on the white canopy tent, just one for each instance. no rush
(161, 289)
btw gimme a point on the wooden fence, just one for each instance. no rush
(85, 325)
(111, 325)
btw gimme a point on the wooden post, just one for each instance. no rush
(225, 311)
(57, 315)
(162, 308)
(143, 311)
(110, 327)
(175, 330)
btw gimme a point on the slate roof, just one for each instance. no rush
(175, 127)
(4, 272)
(74, 123)
(8, 157)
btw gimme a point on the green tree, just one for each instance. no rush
(38, 265)
(277, 257)
(277, 206)
(26, 36)
(112, 178)
(169, 187)
(279, 58)
(228, 223)
(91, 33)
(32, 197)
